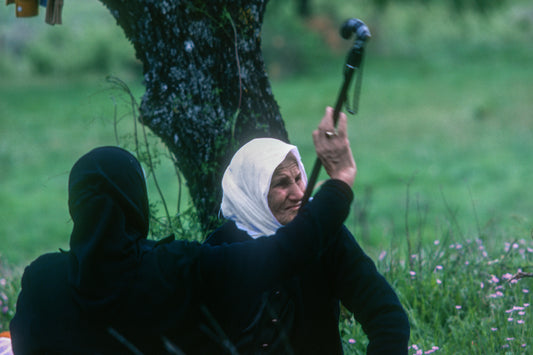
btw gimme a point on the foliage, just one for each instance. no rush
(9, 288)
(294, 46)
(89, 41)
(149, 150)
(461, 297)
(458, 6)
(83, 44)
(482, 6)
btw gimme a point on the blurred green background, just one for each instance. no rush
(444, 135)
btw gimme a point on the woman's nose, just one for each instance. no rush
(297, 191)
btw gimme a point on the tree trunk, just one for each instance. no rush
(207, 91)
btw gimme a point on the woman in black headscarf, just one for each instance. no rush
(116, 292)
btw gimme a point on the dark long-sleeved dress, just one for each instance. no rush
(115, 292)
(301, 315)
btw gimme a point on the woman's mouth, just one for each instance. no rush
(293, 207)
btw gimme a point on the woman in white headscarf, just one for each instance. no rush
(262, 190)
(247, 181)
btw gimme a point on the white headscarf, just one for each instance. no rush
(246, 184)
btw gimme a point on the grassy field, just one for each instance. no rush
(460, 145)
(443, 143)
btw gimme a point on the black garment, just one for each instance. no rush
(115, 291)
(301, 314)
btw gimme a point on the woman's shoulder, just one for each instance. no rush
(46, 262)
(44, 279)
(227, 233)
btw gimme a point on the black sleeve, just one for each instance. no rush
(368, 295)
(256, 265)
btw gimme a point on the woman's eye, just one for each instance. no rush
(282, 183)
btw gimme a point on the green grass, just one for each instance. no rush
(46, 126)
(450, 133)
(418, 130)
(461, 298)
(443, 143)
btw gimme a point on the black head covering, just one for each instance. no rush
(108, 203)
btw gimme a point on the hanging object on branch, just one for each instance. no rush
(26, 8)
(30, 8)
(53, 12)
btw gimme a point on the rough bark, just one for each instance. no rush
(207, 92)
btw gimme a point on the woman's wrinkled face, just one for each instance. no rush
(286, 190)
